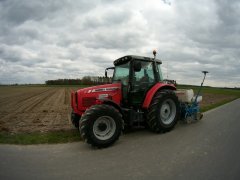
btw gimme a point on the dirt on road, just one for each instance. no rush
(26, 109)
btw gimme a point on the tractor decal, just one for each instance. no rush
(102, 90)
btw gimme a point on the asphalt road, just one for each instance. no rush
(208, 149)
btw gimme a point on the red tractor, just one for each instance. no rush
(137, 95)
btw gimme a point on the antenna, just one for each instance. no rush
(167, 69)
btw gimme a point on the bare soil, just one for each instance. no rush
(44, 109)
(34, 109)
(209, 99)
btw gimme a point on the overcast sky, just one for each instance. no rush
(52, 39)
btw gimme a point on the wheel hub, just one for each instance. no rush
(168, 111)
(104, 127)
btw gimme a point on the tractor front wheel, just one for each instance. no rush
(163, 111)
(75, 119)
(101, 125)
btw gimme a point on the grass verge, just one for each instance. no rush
(40, 138)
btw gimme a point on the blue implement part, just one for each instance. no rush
(190, 111)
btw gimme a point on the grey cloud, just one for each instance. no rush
(116, 40)
(107, 18)
(17, 12)
(228, 13)
(20, 35)
(19, 55)
(10, 54)
(214, 24)
(166, 2)
(65, 39)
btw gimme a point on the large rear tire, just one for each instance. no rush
(101, 125)
(163, 111)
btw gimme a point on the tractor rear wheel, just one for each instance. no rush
(101, 125)
(163, 111)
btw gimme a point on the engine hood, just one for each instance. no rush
(86, 97)
(100, 89)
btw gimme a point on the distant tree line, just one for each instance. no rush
(86, 80)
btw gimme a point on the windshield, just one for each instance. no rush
(121, 74)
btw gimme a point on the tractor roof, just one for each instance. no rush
(127, 58)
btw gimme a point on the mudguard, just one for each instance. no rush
(110, 102)
(152, 92)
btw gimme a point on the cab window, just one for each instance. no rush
(121, 74)
(145, 77)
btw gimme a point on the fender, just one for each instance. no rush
(110, 102)
(152, 92)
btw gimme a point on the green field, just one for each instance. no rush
(213, 90)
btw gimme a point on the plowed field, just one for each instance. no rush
(42, 109)
(34, 109)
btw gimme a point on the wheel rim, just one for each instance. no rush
(168, 111)
(104, 127)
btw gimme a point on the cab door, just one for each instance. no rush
(142, 80)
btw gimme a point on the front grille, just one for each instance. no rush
(88, 101)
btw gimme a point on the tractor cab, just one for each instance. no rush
(137, 75)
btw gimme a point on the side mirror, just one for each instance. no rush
(107, 70)
(137, 66)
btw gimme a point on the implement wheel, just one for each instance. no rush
(101, 125)
(163, 111)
